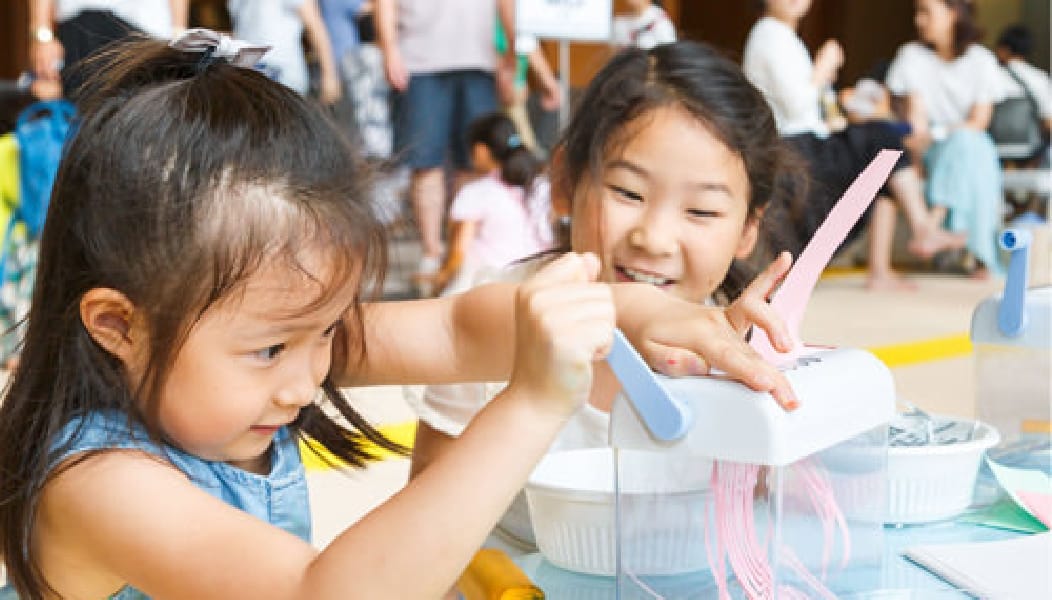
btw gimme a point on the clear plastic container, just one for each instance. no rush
(786, 505)
(1012, 336)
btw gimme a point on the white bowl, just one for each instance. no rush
(935, 482)
(571, 498)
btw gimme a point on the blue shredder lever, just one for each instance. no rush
(667, 418)
(1011, 312)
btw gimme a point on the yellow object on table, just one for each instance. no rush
(491, 575)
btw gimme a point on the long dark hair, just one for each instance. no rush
(965, 30)
(497, 132)
(713, 89)
(153, 199)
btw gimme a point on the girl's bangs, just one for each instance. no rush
(331, 242)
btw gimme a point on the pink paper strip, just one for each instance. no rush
(790, 301)
(1037, 504)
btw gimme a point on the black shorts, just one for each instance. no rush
(833, 164)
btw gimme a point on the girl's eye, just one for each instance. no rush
(620, 191)
(269, 353)
(702, 213)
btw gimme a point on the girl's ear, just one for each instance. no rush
(750, 235)
(111, 320)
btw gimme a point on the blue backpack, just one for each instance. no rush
(41, 130)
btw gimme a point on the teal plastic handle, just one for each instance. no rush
(1011, 312)
(667, 418)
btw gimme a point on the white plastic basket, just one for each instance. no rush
(571, 499)
(935, 482)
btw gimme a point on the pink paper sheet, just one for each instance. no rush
(790, 301)
(1038, 504)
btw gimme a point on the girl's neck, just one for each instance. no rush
(791, 21)
(944, 48)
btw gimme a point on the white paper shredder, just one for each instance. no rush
(781, 504)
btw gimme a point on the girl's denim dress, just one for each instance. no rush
(279, 498)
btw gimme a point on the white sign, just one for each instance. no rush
(581, 20)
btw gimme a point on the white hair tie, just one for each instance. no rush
(218, 45)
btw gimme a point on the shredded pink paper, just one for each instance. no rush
(733, 538)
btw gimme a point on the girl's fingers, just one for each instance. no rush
(753, 306)
(568, 268)
(730, 355)
(576, 315)
(676, 362)
(768, 280)
(747, 366)
(770, 277)
(751, 311)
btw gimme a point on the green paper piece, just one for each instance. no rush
(1005, 515)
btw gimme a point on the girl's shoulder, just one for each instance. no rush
(979, 54)
(914, 50)
(484, 186)
(541, 187)
(769, 27)
(480, 197)
(103, 430)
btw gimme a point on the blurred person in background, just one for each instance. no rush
(64, 32)
(440, 60)
(949, 83)
(502, 216)
(530, 65)
(365, 109)
(341, 23)
(796, 87)
(644, 25)
(281, 24)
(1020, 78)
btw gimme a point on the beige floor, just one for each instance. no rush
(841, 313)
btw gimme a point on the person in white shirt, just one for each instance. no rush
(63, 32)
(441, 61)
(778, 63)
(1013, 49)
(644, 25)
(281, 24)
(950, 83)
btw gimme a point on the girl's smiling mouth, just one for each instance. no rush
(627, 274)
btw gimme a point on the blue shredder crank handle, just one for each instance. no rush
(667, 418)
(1011, 312)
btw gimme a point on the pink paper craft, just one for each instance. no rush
(1037, 504)
(790, 301)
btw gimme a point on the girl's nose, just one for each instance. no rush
(654, 234)
(302, 386)
(297, 395)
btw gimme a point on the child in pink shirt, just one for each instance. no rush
(501, 217)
